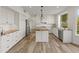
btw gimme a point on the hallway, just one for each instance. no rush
(28, 45)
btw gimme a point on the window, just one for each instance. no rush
(77, 26)
(64, 18)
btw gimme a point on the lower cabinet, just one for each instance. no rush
(42, 36)
(65, 35)
(9, 40)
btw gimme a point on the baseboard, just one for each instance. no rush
(74, 43)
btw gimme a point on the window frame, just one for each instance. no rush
(59, 19)
(77, 15)
(76, 27)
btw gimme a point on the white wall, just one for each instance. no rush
(32, 21)
(49, 19)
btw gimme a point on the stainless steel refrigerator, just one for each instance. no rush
(27, 27)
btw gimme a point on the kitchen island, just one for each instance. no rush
(42, 34)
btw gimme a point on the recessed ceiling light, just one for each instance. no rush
(57, 7)
(30, 6)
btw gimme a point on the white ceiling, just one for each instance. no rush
(33, 10)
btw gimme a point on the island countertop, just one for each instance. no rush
(41, 28)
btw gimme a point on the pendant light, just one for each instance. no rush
(41, 13)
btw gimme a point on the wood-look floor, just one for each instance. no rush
(28, 45)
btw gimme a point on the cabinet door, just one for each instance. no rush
(38, 36)
(44, 36)
(67, 36)
(4, 45)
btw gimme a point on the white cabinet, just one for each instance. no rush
(45, 36)
(5, 43)
(38, 36)
(42, 36)
(9, 40)
(11, 17)
(65, 36)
